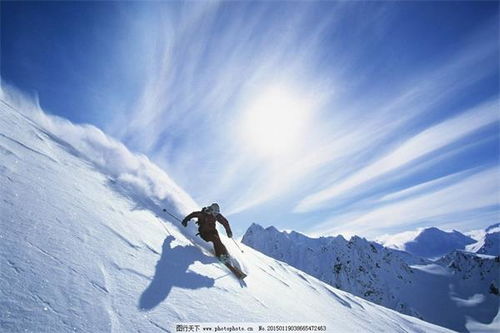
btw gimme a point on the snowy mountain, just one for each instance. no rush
(491, 244)
(430, 242)
(437, 292)
(85, 248)
(434, 243)
(488, 240)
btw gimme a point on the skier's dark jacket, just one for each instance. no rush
(206, 223)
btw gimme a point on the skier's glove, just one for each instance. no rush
(185, 222)
(230, 234)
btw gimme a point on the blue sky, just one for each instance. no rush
(323, 117)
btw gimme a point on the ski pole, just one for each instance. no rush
(175, 217)
(164, 227)
(237, 245)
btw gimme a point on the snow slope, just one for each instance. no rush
(454, 292)
(82, 248)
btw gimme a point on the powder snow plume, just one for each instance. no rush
(134, 172)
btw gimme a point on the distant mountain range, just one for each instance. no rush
(433, 243)
(458, 291)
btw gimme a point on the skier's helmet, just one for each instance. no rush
(213, 209)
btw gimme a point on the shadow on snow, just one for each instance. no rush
(171, 271)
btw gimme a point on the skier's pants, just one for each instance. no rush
(213, 237)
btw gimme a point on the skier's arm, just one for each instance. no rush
(190, 216)
(222, 220)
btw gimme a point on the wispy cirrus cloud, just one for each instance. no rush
(341, 139)
(430, 139)
(472, 193)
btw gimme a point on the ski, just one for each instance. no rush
(236, 271)
(226, 260)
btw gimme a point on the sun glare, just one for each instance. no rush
(274, 122)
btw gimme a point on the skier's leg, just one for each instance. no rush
(213, 236)
(219, 248)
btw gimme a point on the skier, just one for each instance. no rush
(206, 228)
